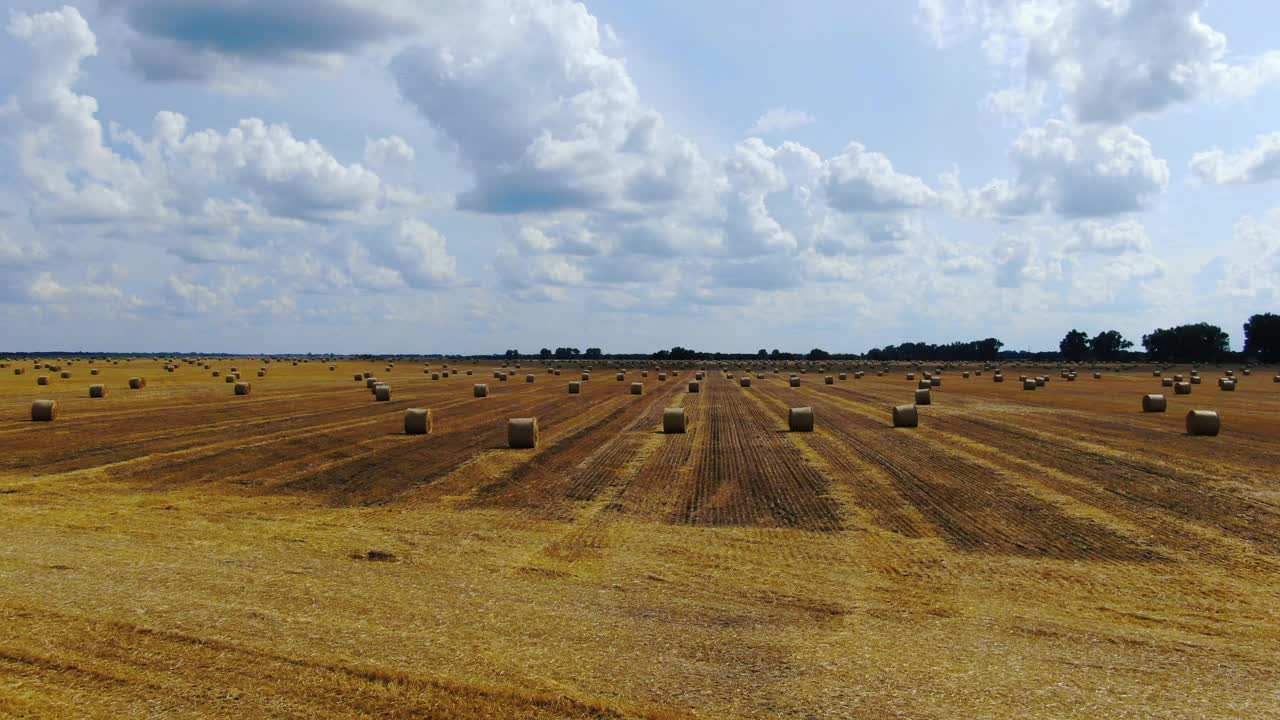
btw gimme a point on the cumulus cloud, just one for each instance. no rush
(858, 180)
(218, 42)
(1258, 164)
(1076, 171)
(542, 115)
(1108, 60)
(780, 119)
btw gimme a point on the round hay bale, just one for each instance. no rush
(575, 387)
(417, 421)
(924, 385)
(637, 388)
(93, 371)
(97, 391)
(1177, 378)
(1246, 372)
(1195, 379)
(965, 375)
(242, 388)
(435, 376)
(673, 420)
(359, 376)
(924, 397)
(829, 380)
(502, 377)
(744, 381)
(480, 390)
(795, 381)
(382, 393)
(556, 373)
(65, 374)
(42, 380)
(468, 372)
(1155, 373)
(45, 410)
(586, 377)
(230, 378)
(1071, 377)
(1029, 384)
(1166, 382)
(620, 377)
(997, 378)
(906, 415)
(137, 383)
(370, 382)
(1040, 381)
(1154, 403)
(844, 376)
(1203, 422)
(522, 433)
(699, 376)
(662, 376)
(262, 373)
(1182, 388)
(911, 377)
(800, 419)
(19, 371)
(695, 386)
(1229, 386)
(528, 378)
(1097, 376)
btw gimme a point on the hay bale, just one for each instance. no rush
(744, 381)
(829, 380)
(45, 410)
(1097, 376)
(97, 391)
(965, 375)
(370, 382)
(528, 378)
(359, 376)
(800, 419)
(1154, 403)
(1029, 384)
(94, 371)
(65, 374)
(924, 385)
(42, 380)
(673, 420)
(1228, 386)
(435, 376)
(1203, 422)
(911, 377)
(575, 387)
(262, 373)
(637, 388)
(522, 433)
(480, 390)
(906, 415)
(620, 377)
(1182, 388)
(242, 388)
(1156, 373)
(230, 378)
(1040, 381)
(1166, 382)
(382, 393)
(695, 386)
(795, 381)
(662, 376)
(468, 372)
(1195, 379)
(924, 397)
(137, 383)
(502, 377)
(699, 376)
(19, 371)
(1177, 378)
(417, 421)
(586, 377)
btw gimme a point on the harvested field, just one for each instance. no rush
(179, 551)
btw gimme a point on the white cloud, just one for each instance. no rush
(1076, 171)
(858, 180)
(1108, 60)
(1258, 164)
(780, 119)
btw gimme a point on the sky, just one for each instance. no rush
(468, 176)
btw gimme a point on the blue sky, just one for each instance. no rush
(470, 176)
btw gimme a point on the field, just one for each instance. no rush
(180, 551)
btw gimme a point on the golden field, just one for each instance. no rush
(179, 551)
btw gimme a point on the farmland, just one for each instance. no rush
(183, 551)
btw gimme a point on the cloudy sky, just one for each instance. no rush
(476, 175)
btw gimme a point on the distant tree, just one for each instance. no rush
(988, 349)
(512, 354)
(1200, 341)
(776, 355)
(544, 352)
(762, 353)
(593, 353)
(1075, 346)
(1262, 337)
(680, 353)
(818, 354)
(1108, 345)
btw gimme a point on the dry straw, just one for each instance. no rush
(417, 421)
(45, 410)
(637, 388)
(1154, 403)
(137, 383)
(97, 391)
(522, 433)
(1203, 422)
(744, 381)
(1182, 388)
(480, 390)
(382, 393)
(243, 388)
(695, 386)
(575, 387)
(800, 419)
(905, 416)
(923, 397)
(673, 420)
